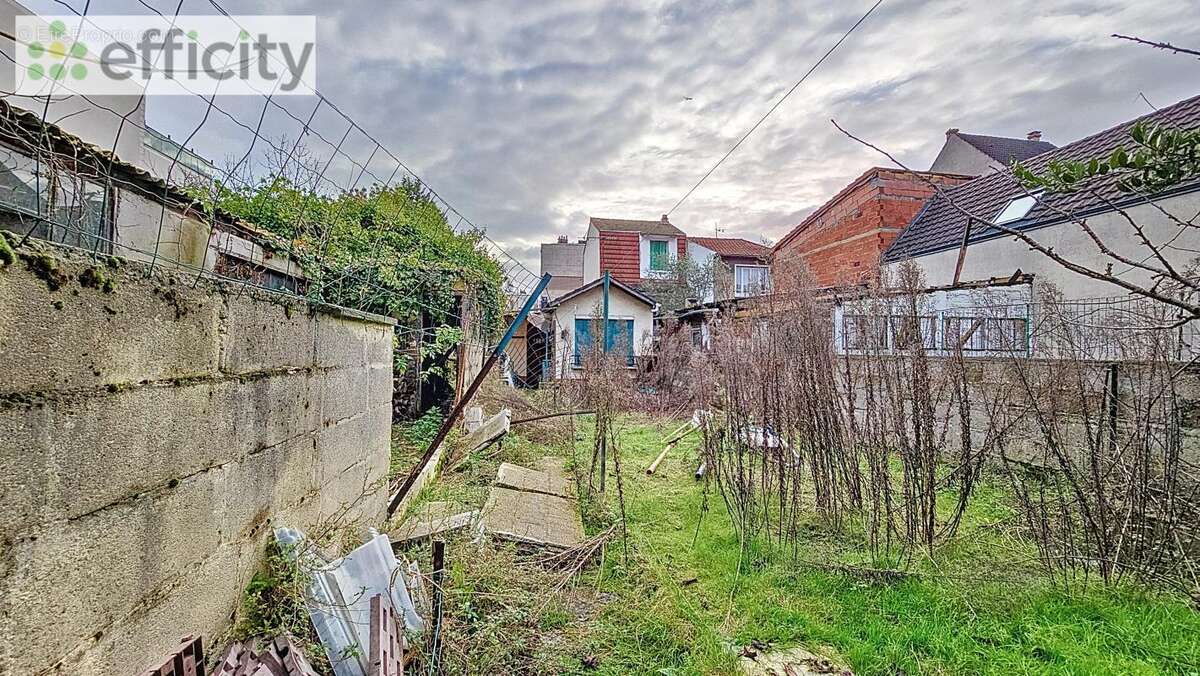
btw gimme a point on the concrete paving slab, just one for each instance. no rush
(433, 518)
(551, 480)
(532, 518)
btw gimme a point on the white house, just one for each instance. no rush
(745, 266)
(573, 323)
(953, 238)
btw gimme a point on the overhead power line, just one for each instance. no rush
(777, 104)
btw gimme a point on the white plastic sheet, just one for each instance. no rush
(341, 593)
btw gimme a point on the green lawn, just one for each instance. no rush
(978, 606)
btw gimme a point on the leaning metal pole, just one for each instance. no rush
(459, 406)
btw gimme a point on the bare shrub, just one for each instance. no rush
(856, 423)
(675, 376)
(1094, 448)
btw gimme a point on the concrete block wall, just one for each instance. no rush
(151, 435)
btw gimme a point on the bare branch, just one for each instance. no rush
(1191, 308)
(1166, 46)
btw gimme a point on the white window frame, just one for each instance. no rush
(672, 255)
(739, 292)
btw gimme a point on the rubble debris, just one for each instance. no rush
(490, 430)
(432, 518)
(537, 519)
(187, 661)
(276, 657)
(472, 418)
(341, 592)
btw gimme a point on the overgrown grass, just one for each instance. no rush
(410, 439)
(977, 606)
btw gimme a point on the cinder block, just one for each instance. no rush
(25, 478)
(201, 603)
(69, 457)
(342, 341)
(381, 384)
(263, 335)
(80, 337)
(345, 393)
(381, 346)
(75, 577)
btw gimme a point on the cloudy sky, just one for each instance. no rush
(531, 116)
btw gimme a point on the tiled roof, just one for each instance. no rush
(647, 227)
(1004, 150)
(732, 246)
(940, 224)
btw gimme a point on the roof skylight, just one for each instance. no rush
(1016, 209)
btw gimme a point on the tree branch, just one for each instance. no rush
(1149, 292)
(1166, 46)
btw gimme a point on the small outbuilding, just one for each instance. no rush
(576, 326)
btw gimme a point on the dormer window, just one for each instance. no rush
(1016, 209)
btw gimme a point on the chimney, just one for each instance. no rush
(562, 239)
(1034, 135)
(951, 131)
(664, 219)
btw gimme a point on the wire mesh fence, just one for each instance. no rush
(304, 199)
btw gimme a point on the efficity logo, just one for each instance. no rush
(189, 55)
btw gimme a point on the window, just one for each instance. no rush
(751, 280)
(75, 209)
(860, 332)
(618, 340)
(660, 255)
(986, 334)
(20, 185)
(78, 212)
(1016, 209)
(907, 330)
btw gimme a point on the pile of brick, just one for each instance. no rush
(279, 657)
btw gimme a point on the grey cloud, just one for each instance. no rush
(530, 116)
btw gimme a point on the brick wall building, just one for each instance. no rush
(841, 242)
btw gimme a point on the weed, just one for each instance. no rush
(96, 278)
(46, 268)
(274, 603)
(7, 255)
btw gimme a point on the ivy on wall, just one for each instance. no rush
(387, 250)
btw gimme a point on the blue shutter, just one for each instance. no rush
(583, 339)
(629, 341)
(620, 335)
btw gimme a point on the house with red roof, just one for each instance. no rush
(631, 250)
(744, 270)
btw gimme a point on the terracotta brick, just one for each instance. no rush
(842, 241)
